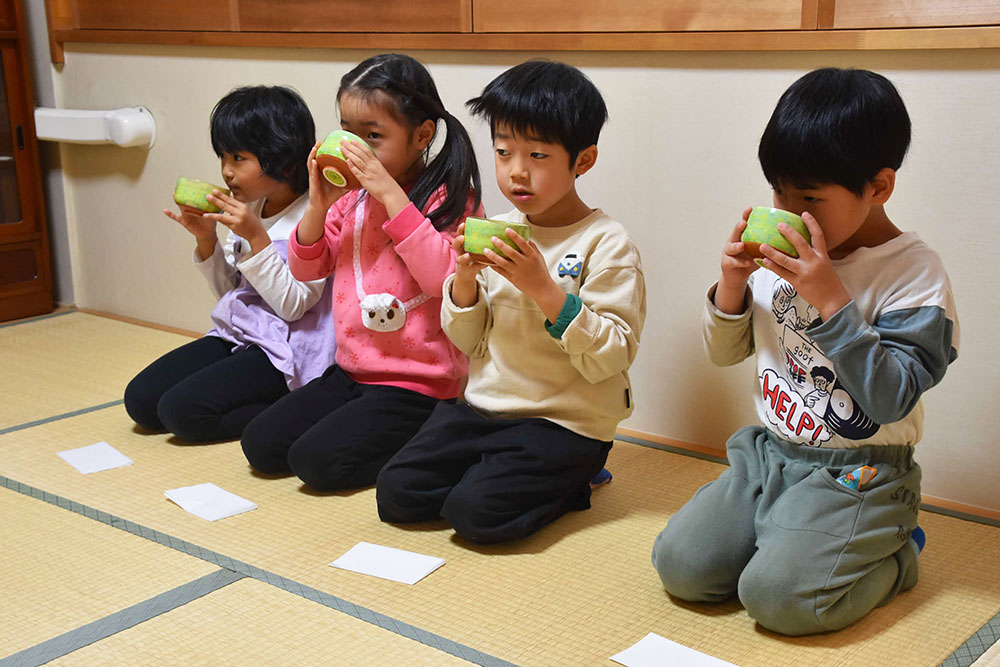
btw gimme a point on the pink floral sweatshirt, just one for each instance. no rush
(387, 288)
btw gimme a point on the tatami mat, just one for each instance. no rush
(576, 593)
(251, 623)
(61, 570)
(55, 365)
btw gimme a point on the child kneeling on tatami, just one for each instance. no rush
(815, 522)
(550, 329)
(271, 331)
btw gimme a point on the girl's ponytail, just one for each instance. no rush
(454, 167)
(410, 86)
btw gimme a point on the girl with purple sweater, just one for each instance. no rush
(272, 332)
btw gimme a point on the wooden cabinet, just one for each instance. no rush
(635, 15)
(355, 15)
(914, 13)
(25, 269)
(264, 16)
(152, 15)
(531, 25)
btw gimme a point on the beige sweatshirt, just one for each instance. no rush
(580, 381)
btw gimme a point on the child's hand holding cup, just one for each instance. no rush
(762, 228)
(190, 195)
(332, 163)
(479, 233)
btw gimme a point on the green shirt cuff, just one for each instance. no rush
(571, 308)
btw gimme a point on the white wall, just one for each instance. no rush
(677, 164)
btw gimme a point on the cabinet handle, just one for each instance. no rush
(20, 138)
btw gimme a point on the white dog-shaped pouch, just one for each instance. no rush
(379, 312)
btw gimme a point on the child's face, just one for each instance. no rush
(536, 176)
(245, 178)
(840, 213)
(397, 145)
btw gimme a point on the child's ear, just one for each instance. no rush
(585, 160)
(882, 185)
(424, 134)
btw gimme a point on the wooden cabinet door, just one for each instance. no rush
(25, 272)
(914, 13)
(206, 15)
(635, 15)
(356, 15)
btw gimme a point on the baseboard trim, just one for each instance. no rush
(142, 323)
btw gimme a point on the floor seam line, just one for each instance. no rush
(123, 619)
(246, 569)
(64, 415)
(36, 319)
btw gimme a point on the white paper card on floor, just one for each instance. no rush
(95, 458)
(656, 651)
(388, 563)
(209, 502)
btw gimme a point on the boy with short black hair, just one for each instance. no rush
(798, 527)
(550, 330)
(271, 333)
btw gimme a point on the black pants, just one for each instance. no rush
(493, 480)
(335, 433)
(201, 392)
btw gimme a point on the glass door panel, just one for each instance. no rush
(10, 203)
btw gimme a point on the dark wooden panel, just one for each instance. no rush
(17, 266)
(10, 195)
(635, 15)
(153, 14)
(356, 15)
(7, 15)
(24, 289)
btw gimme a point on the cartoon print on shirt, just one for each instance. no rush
(800, 356)
(570, 265)
(846, 418)
(785, 312)
(804, 401)
(822, 379)
(787, 412)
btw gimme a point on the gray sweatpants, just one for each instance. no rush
(804, 553)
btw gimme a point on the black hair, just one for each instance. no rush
(273, 123)
(823, 372)
(553, 101)
(409, 86)
(839, 126)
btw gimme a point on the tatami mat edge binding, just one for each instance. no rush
(36, 319)
(121, 620)
(65, 415)
(977, 644)
(245, 569)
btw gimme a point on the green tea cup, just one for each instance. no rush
(331, 161)
(762, 228)
(479, 233)
(190, 194)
